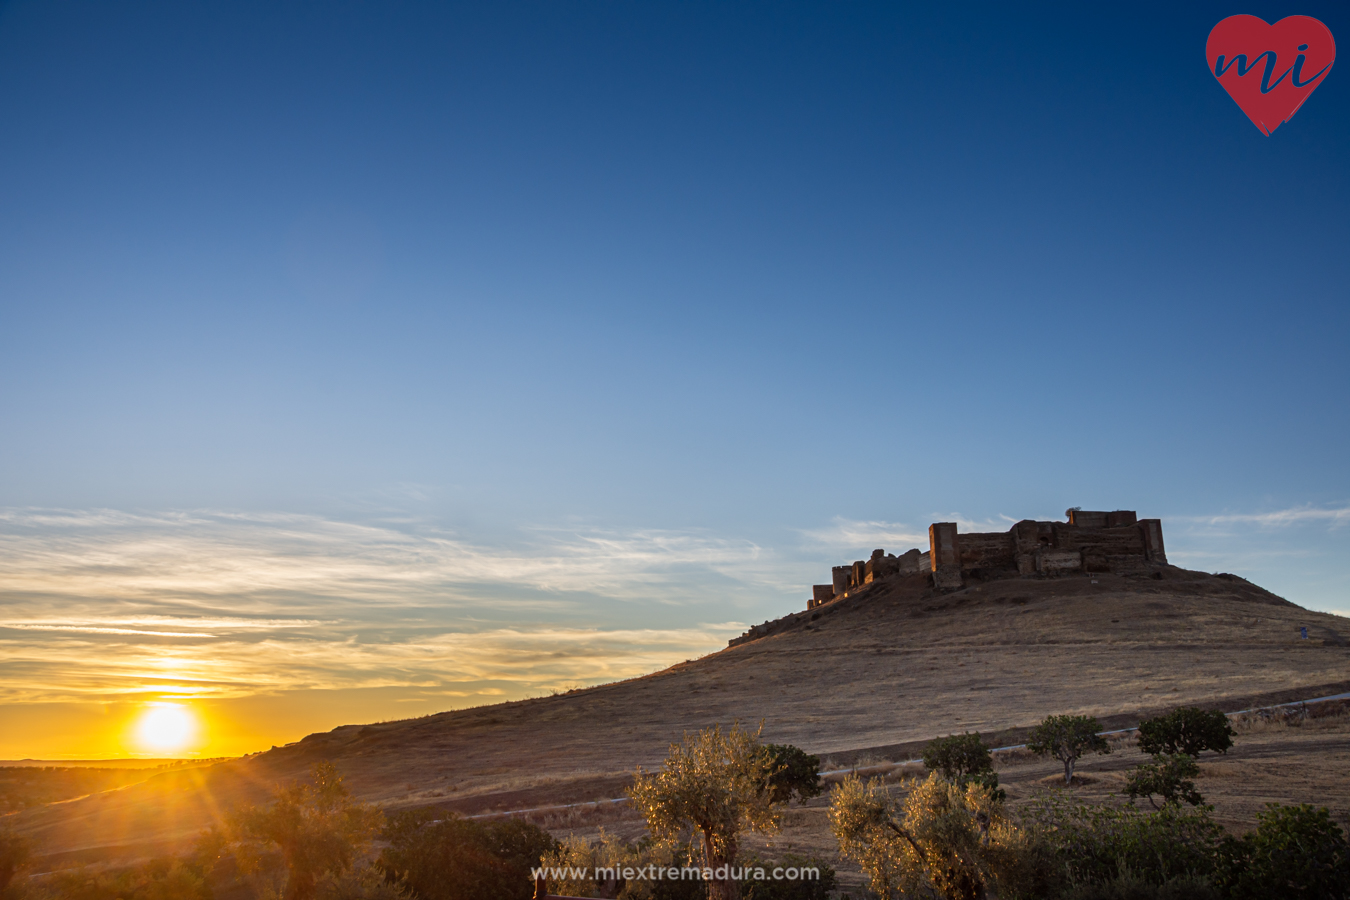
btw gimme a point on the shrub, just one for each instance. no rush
(315, 826)
(1189, 730)
(365, 884)
(14, 853)
(963, 759)
(1295, 851)
(799, 889)
(1168, 777)
(1096, 845)
(1067, 738)
(162, 879)
(1130, 886)
(460, 859)
(957, 755)
(795, 773)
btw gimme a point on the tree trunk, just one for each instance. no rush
(1068, 770)
(720, 888)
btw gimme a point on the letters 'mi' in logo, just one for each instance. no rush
(1270, 69)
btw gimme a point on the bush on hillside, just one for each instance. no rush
(795, 773)
(1135, 887)
(1101, 845)
(157, 880)
(1169, 777)
(784, 889)
(460, 859)
(609, 856)
(1189, 730)
(315, 828)
(957, 755)
(963, 759)
(14, 853)
(1295, 852)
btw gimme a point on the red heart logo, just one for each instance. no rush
(1270, 69)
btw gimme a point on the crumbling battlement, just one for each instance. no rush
(1089, 542)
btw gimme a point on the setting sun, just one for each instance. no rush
(165, 727)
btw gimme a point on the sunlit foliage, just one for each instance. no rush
(716, 784)
(949, 840)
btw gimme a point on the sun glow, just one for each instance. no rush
(166, 727)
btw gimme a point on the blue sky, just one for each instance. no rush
(605, 316)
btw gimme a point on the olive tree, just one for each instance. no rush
(1067, 738)
(1189, 730)
(715, 784)
(946, 839)
(958, 755)
(1169, 776)
(793, 773)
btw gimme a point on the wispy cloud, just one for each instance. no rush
(105, 604)
(102, 604)
(896, 537)
(850, 534)
(450, 663)
(113, 555)
(1280, 518)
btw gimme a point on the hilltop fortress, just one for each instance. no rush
(1089, 542)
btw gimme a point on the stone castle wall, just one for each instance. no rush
(1089, 542)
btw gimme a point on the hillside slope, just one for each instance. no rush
(893, 664)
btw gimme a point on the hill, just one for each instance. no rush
(891, 665)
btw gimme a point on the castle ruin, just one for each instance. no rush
(1090, 542)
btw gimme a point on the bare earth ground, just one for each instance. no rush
(876, 674)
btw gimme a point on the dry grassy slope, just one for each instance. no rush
(896, 663)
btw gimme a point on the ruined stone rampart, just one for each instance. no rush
(1089, 542)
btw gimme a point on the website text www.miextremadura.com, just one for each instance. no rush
(659, 873)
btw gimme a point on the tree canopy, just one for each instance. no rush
(1068, 738)
(948, 839)
(1169, 777)
(716, 784)
(958, 755)
(1189, 730)
(793, 773)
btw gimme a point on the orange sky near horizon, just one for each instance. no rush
(224, 728)
(269, 628)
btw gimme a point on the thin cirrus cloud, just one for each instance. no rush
(846, 534)
(1280, 518)
(851, 534)
(101, 605)
(202, 555)
(98, 605)
(452, 664)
